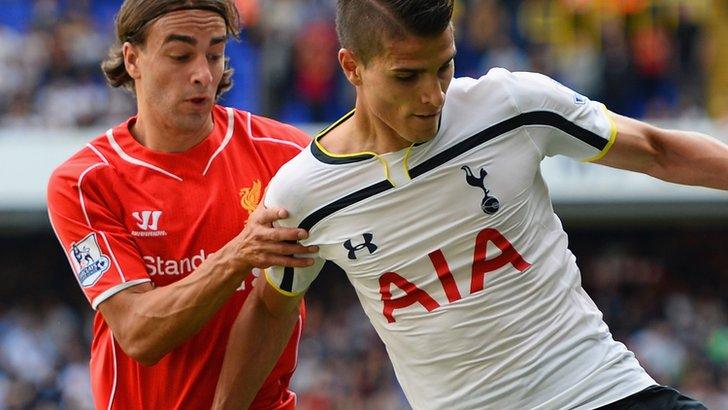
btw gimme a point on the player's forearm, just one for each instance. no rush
(149, 323)
(163, 318)
(257, 339)
(682, 157)
(691, 158)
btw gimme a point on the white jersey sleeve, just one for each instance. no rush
(561, 121)
(289, 281)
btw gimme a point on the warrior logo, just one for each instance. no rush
(368, 245)
(90, 263)
(148, 222)
(489, 205)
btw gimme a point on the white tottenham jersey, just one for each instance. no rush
(457, 256)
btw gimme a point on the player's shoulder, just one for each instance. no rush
(305, 184)
(295, 181)
(531, 85)
(88, 164)
(523, 90)
(497, 80)
(86, 157)
(475, 103)
(263, 130)
(466, 93)
(469, 84)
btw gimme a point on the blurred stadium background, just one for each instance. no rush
(653, 255)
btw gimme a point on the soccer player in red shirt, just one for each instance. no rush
(158, 217)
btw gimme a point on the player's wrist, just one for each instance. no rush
(228, 264)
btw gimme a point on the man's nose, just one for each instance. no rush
(201, 72)
(433, 93)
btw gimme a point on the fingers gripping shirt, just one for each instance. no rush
(293, 281)
(461, 266)
(290, 281)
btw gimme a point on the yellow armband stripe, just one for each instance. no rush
(275, 286)
(612, 137)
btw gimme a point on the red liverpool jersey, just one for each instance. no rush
(126, 215)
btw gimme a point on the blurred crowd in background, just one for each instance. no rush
(642, 58)
(662, 292)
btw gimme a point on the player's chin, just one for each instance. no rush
(422, 133)
(193, 117)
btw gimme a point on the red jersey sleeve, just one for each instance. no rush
(297, 136)
(288, 140)
(85, 218)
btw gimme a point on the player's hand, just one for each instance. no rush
(261, 245)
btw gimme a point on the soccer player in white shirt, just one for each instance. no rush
(429, 197)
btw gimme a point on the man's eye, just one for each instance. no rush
(214, 57)
(183, 57)
(405, 78)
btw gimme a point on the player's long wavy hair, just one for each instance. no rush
(132, 25)
(363, 24)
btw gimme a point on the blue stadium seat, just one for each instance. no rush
(16, 14)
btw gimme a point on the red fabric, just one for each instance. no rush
(102, 205)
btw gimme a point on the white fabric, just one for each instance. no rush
(532, 338)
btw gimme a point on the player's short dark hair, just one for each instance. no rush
(363, 25)
(132, 25)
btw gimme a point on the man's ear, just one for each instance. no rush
(351, 66)
(131, 54)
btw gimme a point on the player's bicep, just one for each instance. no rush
(117, 307)
(277, 303)
(634, 148)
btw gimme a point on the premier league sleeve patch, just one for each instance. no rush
(88, 260)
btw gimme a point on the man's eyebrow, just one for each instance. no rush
(218, 40)
(420, 70)
(191, 40)
(179, 37)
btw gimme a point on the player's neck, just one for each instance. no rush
(166, 136)
(362, 133)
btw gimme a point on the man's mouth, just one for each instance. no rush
(427, 116)
(198, 100)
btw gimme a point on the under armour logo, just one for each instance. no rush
(489, 204)
(368, 245)
(147, 220)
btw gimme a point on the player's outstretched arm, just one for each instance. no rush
(257, 339)
(682, 157)
(149, 322)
